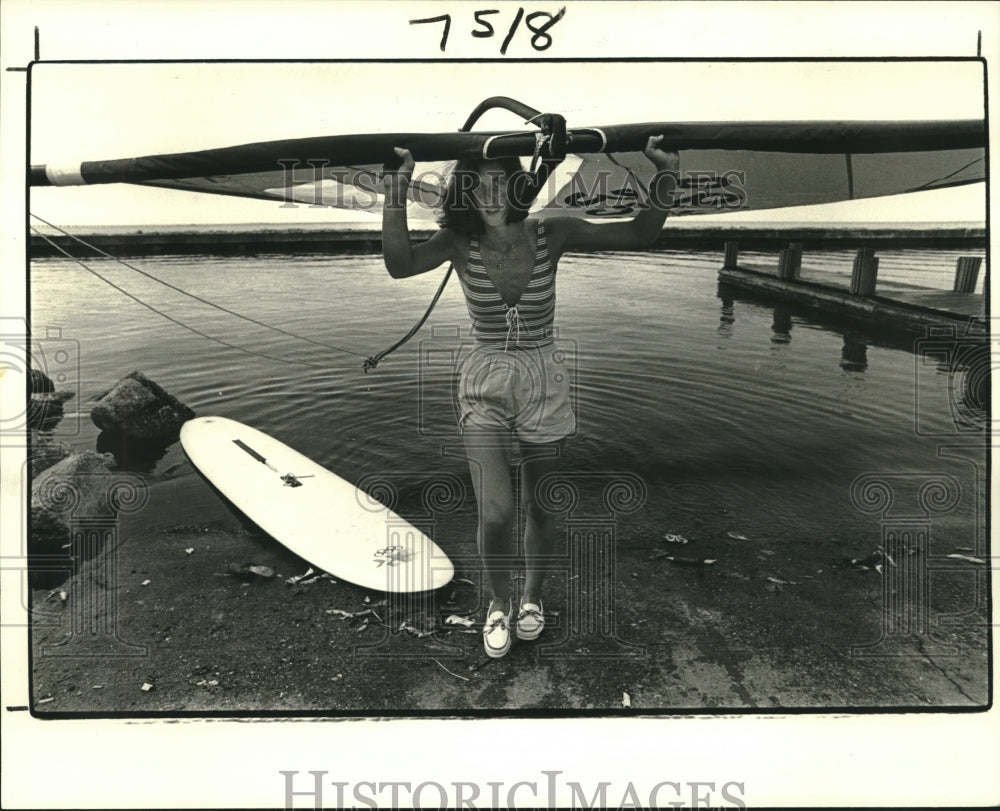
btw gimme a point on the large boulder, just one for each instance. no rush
(40, 383)
(78, 485)
(141, 409)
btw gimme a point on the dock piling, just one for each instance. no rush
(732, 256)
(967, 274)
(790, 262)
(898, 305)
(864, 275)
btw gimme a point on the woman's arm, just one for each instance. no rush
(402, 258)
(570, 234)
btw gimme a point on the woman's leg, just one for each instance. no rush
(537, 461)
(489, 453)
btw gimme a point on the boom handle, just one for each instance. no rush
(503, 103)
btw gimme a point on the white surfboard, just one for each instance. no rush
(315, 513)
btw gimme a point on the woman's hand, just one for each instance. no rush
(661, 159)
(396, 179)
(403, 172)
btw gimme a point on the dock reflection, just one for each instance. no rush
(962, 357)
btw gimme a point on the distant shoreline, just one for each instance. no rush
(680, 234)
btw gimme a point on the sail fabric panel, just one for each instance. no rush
(937, 170)
(717, 181)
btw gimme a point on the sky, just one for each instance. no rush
(105, 111)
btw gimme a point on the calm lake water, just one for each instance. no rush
(732, 413)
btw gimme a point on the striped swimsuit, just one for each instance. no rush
(525, 391)
(526, 325)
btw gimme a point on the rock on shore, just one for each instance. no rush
(77, 485)
(141, 409)
(45, 404)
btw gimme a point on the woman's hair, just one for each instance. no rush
(460, 211)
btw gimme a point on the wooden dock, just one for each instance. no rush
(682, 233)
(858, 293)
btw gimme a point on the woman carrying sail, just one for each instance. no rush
(511, 387)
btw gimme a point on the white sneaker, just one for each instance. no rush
(496, 633)
(530, 621)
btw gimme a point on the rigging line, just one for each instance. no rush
(952, 174)
(192, 295)
(631, 174)
(171, 318)
(373, 361)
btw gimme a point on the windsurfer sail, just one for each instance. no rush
(727, 165)
(592, 172)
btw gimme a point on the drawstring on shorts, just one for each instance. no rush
(513, 324)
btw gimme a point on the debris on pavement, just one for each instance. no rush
(247, 571)
(737, 536)
(307, 578)
(189, 550)
(968, 558)
(348, 615)
(678, 539)
(146, 687)
(690, 561)
(626, 700)
(463, 678)
(876, 560)
(57, 594)
(291, 581)
(405, 626)
(145, 582)
(455, 619)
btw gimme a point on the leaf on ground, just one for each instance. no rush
(413, 631)
(346, 615)
(691, 561)
(968, 558)
(291, 581)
